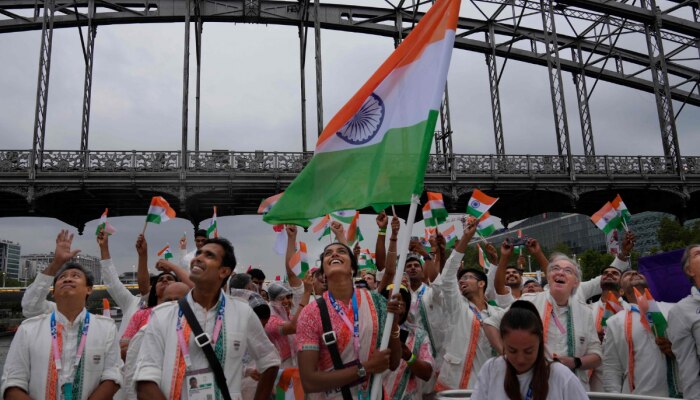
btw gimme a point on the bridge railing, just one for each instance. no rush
(93, 161)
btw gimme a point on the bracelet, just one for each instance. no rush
(382, 231)
(395, 334)
(393, 240)
(412, 360)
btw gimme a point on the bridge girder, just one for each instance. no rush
(382, 22)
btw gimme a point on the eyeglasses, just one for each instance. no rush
(567, 270)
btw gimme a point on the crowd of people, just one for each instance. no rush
(199, 329)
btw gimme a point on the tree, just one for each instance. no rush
(592, 262)
(672, 235)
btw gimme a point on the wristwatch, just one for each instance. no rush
(577, 363)
(361, 372)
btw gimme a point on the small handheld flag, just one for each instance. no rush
(104, 225)
(622, 211)
(266, 204)
(299, 263)
(159, 211)
(606, 219)
(165, 252)
(354, 233)
(105, 308)
(323, 226)
(480, 203)
(344, 216)
(212, 230)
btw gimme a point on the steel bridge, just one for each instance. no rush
(589, 39)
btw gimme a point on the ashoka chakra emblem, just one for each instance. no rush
(365, 124)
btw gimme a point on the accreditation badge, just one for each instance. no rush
(200, 384)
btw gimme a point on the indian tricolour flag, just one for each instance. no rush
(621, 209)
(612, 307)
(159, 211)
(165, 252)
(606, 219)
(649, 308)
(299, 263)
(483, 260)
(266, 204)
(105, 308)
(374, 151)
(288, 385)
(104, 225)
(366, 260)
(480, 203)
(450, 237)
(434, 211)
(487, 225)
(212, 230)
(323, 226)
(344, 216)
(354, 233)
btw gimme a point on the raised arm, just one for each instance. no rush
(290, 327)
(339, 232)
(142, 276)
(500, 281)
(432, 266)
(380, 246)
(182, 275)
(34, 299)
(291, 231)
(121, 295)
(390, 268)
(533, 247)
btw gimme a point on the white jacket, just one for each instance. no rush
(649, 361)
(27, 361)
(454, 364)
(684, 334)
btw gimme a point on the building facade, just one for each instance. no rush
(10, 259)
(32, 264)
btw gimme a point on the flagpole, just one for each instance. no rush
(145, 225)
(403, 251)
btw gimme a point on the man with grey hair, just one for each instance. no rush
(569, 328)
(684, 327)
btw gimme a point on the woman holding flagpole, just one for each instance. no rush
(357, 319)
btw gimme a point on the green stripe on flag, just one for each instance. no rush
(155, 218)
(378, 175)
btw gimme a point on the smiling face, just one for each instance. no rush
(337, 261)
(206, 268)
(520, 348)
(71, 282)
(562, 277)
(513, 277)
(469, 284)
(199, 241)
(532, 287)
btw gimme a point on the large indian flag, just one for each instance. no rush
(374, 151)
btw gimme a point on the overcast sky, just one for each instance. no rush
(250, 100)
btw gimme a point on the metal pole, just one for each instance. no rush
(185, 86)
(303, 35)
(583, 109)
(198, 26)
(319, 77)
(87, 88)
(42, 88)
(495, 95)
(662, 91)
(555, 83)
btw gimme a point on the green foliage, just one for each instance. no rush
(592, 262)
(672, 235)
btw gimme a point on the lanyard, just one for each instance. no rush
(414, 306)
(477, 313)
(54, 341)
(569, 330)
(529, 393)
(354, 327)
(184, 348)
(561, 328)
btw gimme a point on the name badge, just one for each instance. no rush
(200, 384)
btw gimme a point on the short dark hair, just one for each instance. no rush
(201, 233)
(229, 258)
(262, 311)
(89, 279)
(480, 274)
(520, 271)
(256, 273)
(152, 296)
